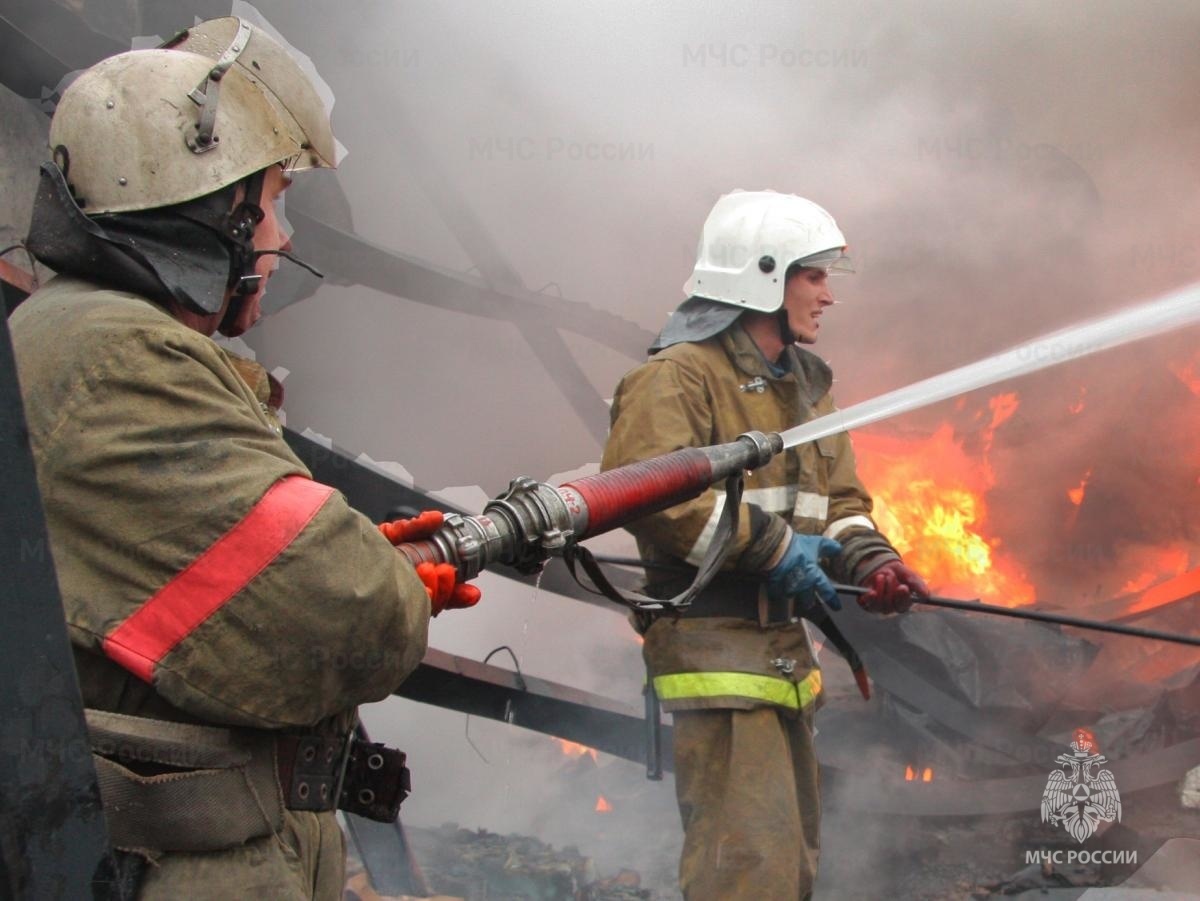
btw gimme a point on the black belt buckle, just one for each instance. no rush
(315, 771)
(376, 782)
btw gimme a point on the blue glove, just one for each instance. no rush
(798, 572)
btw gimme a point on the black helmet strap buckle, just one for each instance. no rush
(240, 224)
(239, 230)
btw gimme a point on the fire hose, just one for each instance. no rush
(533, 521)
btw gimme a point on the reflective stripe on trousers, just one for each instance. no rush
(769, 689)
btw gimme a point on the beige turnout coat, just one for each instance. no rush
(709, 392)
(206, 578)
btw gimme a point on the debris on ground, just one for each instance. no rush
(479, 865)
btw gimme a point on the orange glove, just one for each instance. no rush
(444, 590)
(441, 579)
(399, 531)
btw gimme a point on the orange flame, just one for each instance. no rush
(1003, 406)
(927, 774)
(1086, 739)
(1188, 373)
(1075, 495)
(930, 500)
(1162, 563)
(574, 749)
(602, 805)
(909, 774)
(1167, 574)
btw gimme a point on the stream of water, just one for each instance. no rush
(1169, 312)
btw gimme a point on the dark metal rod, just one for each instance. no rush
(975, 607)
(1057, 618)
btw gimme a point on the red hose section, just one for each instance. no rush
(622, 495)
(422, 552)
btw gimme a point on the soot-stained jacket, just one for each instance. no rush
(709, 392)
(205, 575)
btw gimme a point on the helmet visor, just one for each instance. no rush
(834, 261)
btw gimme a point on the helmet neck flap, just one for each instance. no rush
(696, 319)
(192, 253)
(165, 254)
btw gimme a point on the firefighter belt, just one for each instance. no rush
(735, 595)
(169, 786)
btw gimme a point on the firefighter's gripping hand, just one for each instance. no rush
(419, 527)
(799, 570)
(444, 590)
(440, 579)
(891, 588)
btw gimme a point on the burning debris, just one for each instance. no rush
(955, 858)
(483, 866)
(574, 749)
(931, 498)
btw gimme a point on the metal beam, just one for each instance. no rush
(479, 689)
(458, 683)
(349, 259)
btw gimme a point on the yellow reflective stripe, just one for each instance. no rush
(780, 499)
(810, 506)
(771, 689)
(838, 526)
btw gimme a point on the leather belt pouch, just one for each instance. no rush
(169, 786)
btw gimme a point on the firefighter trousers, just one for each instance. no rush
(306, 860)
(747, 786)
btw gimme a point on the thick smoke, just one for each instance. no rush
(1000, 171)
(999, 175)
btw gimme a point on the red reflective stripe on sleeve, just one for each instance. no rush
(199, 591)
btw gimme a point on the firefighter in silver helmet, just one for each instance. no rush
(227, 613)
(737, 669)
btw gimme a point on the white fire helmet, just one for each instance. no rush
(751, 238)
(153, 128)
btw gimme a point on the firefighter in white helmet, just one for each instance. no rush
(737, 669)
(227, 613)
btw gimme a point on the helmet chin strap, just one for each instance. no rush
(786, 335)
(288, 255)
(243, 219)
(239, 232)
